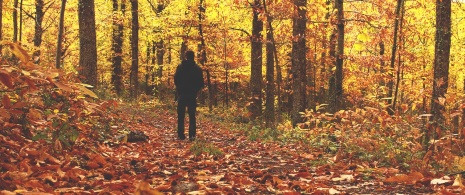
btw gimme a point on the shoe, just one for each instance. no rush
(191, 139)
(181, 137)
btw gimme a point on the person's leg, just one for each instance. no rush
(192, 105)
(181, 109)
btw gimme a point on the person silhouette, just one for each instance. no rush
(188, 80)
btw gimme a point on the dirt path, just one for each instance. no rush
(231, 163)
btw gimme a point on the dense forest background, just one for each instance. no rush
(351, 77)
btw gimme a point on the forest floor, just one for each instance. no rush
(220, 161)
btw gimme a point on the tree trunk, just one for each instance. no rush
(87, 42)
(256, 77)
(270, 87)
(339, 75)
(1, 25)
(60, 35)
(399, 62)
(134, 77)
(299, 61)
(203, 55)
(441, 66)
(148, 69)
(15, 21)
(38, 31)
(20, 21)
(117, 47)
(160, 54)
(332, 86)
(393, 58)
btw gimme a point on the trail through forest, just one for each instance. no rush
(220, 161)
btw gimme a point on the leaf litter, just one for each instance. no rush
(163, 165)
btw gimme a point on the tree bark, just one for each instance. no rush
(441, 66)
(299, 61)
(135, 49)
(117, 47)
(15, 21)
(393, 57)
(1, 26)
(256, 77)
(38, 30)
(87, 42)
(270, 60)
(339, 74)
(60, 35)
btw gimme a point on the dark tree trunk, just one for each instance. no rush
(270, 86)
(256, 77)
(299, 61)
(38, 31)
(87, 42)
(390, 84)
(203, 55)
(399, 62)
(60, 35)
(135, 49)
(20, 21)
(332, 86)
(441, 66)
(117, 47)
(339, 75)
(1, 25)
(15, 21)
(148, 69)
(160, 54)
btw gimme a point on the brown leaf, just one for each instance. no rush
(5, 78)
(4, 113)
(6, 102)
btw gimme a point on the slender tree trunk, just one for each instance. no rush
(270, 87)
(441, 66)
(38, 31)
(117, 38)
(160, 55)
(1, 25)
(399, 61)
(332, 85)
(299, 61)
(339, 75)
(20, 20)
(203, 55)
(15, 21)
(135, 49)
(60, 35)
(256, 77)
(147, 69)
(393, 57)
(87, 42)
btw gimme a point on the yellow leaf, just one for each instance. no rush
(358, 47)
(363, 37)
(63, 86)
(86, 91)
(458, 181)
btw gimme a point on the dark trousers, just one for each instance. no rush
(190, 102)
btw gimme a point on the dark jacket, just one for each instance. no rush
(188, 78)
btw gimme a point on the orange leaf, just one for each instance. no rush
(144, 189)
(19, 52)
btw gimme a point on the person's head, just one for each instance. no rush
(190, 55)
